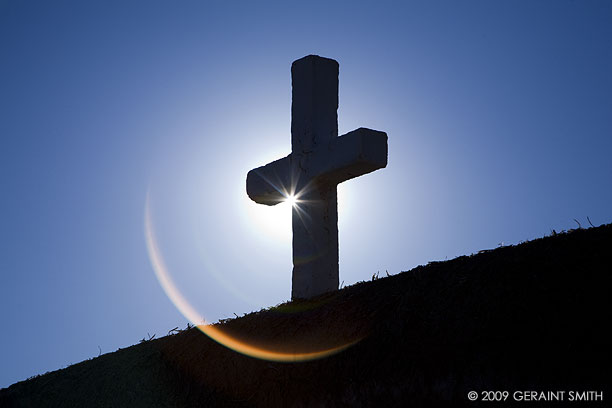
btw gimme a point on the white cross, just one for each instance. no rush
(319, 160)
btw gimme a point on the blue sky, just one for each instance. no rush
(498, 115)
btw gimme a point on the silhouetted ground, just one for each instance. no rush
(530, 317)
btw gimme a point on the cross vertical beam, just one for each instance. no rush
(314, 124)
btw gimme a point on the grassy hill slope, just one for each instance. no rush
(530, 317)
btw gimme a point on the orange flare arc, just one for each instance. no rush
(215, 333)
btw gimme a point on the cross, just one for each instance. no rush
(318, 162)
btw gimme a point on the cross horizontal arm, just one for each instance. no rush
(354, 154)
(351, 155)
(269, 184)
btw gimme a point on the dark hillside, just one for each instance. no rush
(530, 317)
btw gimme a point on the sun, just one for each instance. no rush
(274, 222)
(291, 199)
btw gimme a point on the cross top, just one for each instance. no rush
(318, 162)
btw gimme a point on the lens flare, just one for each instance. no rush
(212, 331)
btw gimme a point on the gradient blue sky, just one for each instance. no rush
(498, 115)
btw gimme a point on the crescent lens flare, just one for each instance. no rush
(215, 332)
